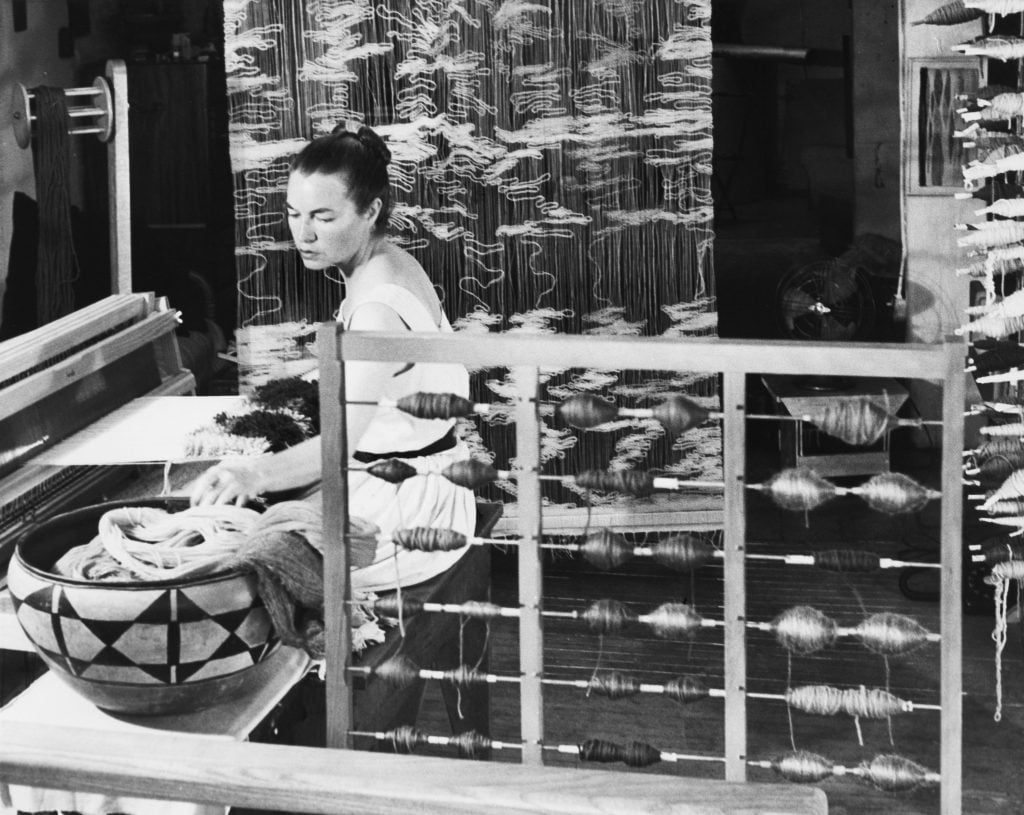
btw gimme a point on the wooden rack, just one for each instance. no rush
(526, 356)
(101, 110)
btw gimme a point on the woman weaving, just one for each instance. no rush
(338, 204)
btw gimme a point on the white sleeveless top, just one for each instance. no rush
(392, 430)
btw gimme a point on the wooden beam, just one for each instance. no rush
(211, 770)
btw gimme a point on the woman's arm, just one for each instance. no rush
(242, 479)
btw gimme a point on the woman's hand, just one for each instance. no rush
(236, 481)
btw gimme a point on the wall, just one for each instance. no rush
(936, 297)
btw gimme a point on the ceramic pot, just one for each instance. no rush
(137, 647)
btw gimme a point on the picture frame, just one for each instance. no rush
(934, 158)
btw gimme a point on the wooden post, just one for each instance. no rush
(734, 443)
(531, 584)
(951, 587)
(337, 588)
(119, 183)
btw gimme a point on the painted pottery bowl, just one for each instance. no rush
(141, 648)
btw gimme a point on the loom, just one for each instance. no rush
(62, 378)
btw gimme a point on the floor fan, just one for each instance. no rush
(826, 300)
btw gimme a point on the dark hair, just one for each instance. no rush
(360, 155)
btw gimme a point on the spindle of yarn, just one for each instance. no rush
(952, 13)
(471, 473)
(892, 773)
(406, 738)
(608, 616)
(633, 754)
(1009, 506)
(677, 414)
(428, 405)
(683, 553)
(862, 702)
(392, 470)
(605, 549)
(847, 560)
(803, 767)
(799, 489)
(586, 411)
(857, 423)
(399, 671)
(999, 550)
(429, 539)
(888, 633)
(635, 483)
(614, 685)
(686, 689)
(1012, 487)
(804, 630)
(671, 620)
(886, 772)
(395, 605)
(894, 493)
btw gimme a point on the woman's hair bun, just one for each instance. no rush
(366, 136)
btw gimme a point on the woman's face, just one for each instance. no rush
(326, 226)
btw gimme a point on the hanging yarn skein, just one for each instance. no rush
(57, 264)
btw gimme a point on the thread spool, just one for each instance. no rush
(608, 616)
(997, 550)
(471, 473)
(847, 560)
(686, 689)
(888, 633)
(633, 754)
(799, 489)
(392, 470)
(399, 671)
(803, 767)
(677, 414)
(893, 773)
(804, 630)
(428, 405)
(429, 539)
(395, 606)
(94, 115)
(605, 549)
(895, 494)
(586, 411)
(858, 423)
(614, 685)
(861, 702)
(670, 620)
(635, 483)
(682, 553)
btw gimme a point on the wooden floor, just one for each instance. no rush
(993, 781)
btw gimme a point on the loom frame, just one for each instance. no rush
(108, 121)
(942, 363)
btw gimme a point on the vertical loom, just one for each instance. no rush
(526, 356)
(101, 110)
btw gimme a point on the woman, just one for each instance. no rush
(338, 204)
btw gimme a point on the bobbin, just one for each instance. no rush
(100, 108)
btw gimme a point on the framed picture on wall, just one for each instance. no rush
(936, 89)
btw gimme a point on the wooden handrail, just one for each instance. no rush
(213, 770)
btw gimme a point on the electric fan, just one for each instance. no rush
(826, 300)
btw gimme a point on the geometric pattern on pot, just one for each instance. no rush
(160, 635)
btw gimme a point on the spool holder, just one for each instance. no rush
(91, 110)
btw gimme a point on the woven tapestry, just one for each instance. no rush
(551, 171)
